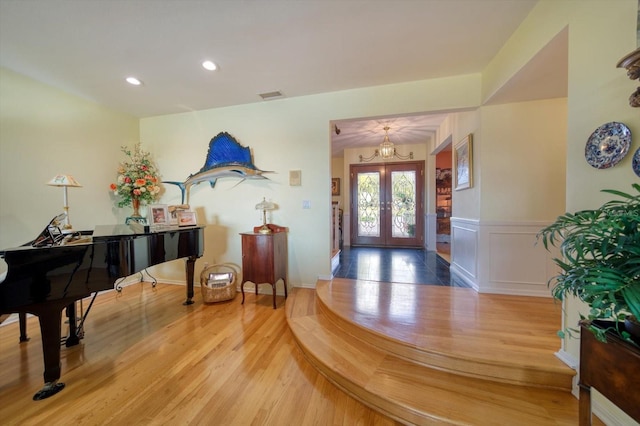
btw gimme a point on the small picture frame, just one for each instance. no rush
(173, 212)
(187, 218)
(463, 160)
(335, 186)
(158, 214)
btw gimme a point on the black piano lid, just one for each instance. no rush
(108, 232)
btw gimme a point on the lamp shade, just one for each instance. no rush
(265, 205)
(64, 180)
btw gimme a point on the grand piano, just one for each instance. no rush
(45, 279)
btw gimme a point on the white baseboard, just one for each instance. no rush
(609, 413)
(460, 273)
(568, 359)
(305, 285)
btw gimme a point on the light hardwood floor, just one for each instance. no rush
(147, 359)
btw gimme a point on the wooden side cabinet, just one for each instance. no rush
(264, 260)
(612, 368)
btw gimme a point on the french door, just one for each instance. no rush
(387, 204)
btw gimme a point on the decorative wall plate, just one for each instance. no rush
(607, 145)
(635, 164)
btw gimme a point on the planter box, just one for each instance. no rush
(613, 368)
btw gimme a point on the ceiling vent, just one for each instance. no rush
(271, 95)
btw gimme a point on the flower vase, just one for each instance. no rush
(135, 203)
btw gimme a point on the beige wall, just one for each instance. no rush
(600, 33)
(337, 171)
(466, 203)
(44, 132)
(284, 135)
(598, 93)
(522, 158)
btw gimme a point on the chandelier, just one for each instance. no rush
(386, 150)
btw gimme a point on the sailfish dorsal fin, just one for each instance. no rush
(225, 150)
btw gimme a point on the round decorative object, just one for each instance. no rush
(607, 145)
(635, 164)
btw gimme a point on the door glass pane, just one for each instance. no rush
(403, 204)
(369, 204)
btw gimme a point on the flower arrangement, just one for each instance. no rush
(137, 179)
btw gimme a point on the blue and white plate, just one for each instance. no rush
(635, 164)
(607, 145)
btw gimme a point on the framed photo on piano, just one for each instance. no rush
(158, 215)
(173, 212)
(187, 218)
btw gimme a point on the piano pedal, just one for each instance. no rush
(49, 389)
(69, 341)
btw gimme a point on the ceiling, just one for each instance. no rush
(299, 48)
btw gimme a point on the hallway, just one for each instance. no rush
(399, 265)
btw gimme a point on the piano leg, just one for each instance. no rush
(50, 318)
(190, 265)
(73, 338)
(22, 319)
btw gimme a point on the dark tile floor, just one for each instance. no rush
(401, 265)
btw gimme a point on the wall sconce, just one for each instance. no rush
(65, 181)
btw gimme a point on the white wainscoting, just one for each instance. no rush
(346, 228)
(501, 257)
(464, 250)
(430, 230)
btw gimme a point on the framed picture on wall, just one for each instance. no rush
(463, 160)
(335, 186)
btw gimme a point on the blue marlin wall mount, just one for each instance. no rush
(226, 158)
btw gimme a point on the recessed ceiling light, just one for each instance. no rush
(134, 81)
(208, 65)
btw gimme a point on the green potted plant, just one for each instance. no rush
(600, 261)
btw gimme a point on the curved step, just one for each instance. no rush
(474, 343)
(411, 392)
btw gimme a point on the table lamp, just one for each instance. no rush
(65, 181)
(265, 205)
